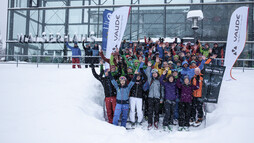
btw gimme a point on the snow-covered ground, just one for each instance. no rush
(51, 105)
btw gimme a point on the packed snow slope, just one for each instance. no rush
(51, 105)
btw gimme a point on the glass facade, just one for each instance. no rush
(160, 18)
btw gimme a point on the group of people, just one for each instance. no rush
(143, 76)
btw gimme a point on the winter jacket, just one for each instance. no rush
(218, 51)
(199, 78)
(87, 49)
(190, 72)
(171, 91)
(154, 90)
(123, 92)
(186, 91)
(156, 66)
(75, 50)
(137, 89)
(109, 89)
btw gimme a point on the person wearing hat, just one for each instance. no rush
(219, 52)
(185, 102)
(154, 96)
(204, 50)
(76, 52)
(136, 98)
(122, 98)
(109, 90)
(170, 97)
(186, 71)
(193, 64)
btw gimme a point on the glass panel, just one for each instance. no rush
(76, 2)
(54, 29)
(19, 23)
(55, 16)
(75, 16)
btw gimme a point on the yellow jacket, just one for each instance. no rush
(156, 66)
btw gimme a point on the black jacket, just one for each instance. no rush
(88, 50)
(109, 89)
(137, 88)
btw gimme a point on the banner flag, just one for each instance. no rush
(117, 24)
(236, 39)
(106, 17)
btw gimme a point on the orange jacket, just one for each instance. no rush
(198, 92)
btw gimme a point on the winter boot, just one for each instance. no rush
(192, 122)
(198, 122)
(186, 128)
(169, 128)
(180, 128)
(150, 126)
(140, 124)
(132, 125)
(156, 125)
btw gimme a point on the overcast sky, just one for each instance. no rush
(3, 15)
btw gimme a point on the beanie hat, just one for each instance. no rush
(122, 78)
(170, 62)
(176, 56)
(193, 62)
(154, 71)
(185, 62)
(136, 61)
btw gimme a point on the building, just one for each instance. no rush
(160, 18)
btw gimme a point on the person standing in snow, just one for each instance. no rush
(109, 90)
(197, 101)
(185, 102)
(122, 98)
(170, 98)
(136, 95)
(154, 97)
(75, 52)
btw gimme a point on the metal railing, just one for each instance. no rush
(47, 59)
(85, 60)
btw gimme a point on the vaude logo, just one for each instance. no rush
(117, 23)
(236, 33)
(234, 50)
(237, 27)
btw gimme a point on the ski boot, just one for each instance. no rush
(186, 128)
(180, 128)
(198, 122)
(150, 126)
(156, 126)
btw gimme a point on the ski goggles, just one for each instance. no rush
(122, 78)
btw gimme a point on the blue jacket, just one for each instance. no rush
(123, 92)
(161, 51)
(75, 50)
(190, 72)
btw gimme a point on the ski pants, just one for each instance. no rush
(196, 109)
(124, 109)
(169, 112)
(76, 61)
(110, 103)
(153, 108)
(136, 103)
(184, 114)
(176, 113)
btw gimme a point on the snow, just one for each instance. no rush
(64, 105)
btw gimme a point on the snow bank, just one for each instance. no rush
(64, 105)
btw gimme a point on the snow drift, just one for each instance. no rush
(64, 105)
